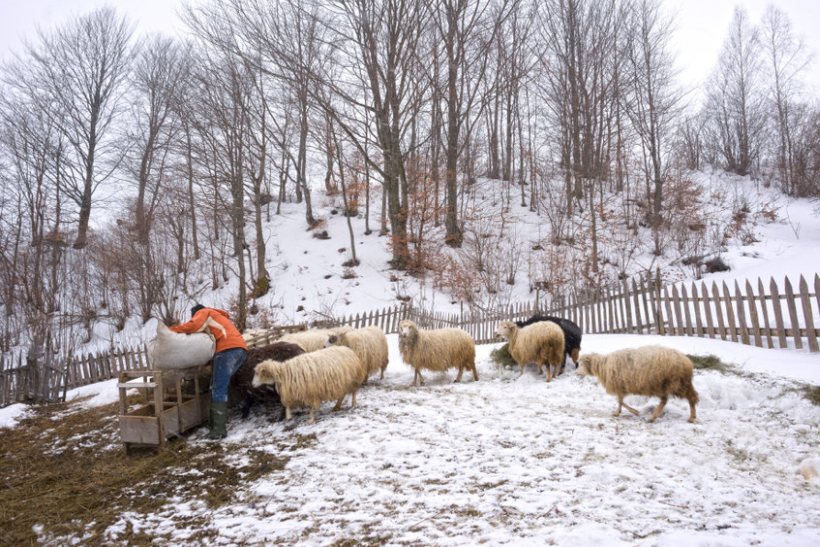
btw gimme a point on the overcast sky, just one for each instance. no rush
(701, 26)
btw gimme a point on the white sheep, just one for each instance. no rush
(312, 339)
(369, 343)
(541, 343)
(649, 371)
(436, 350)
(309, 379)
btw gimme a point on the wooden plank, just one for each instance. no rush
(596, 315)
(609, 313)
(805, 300)
(697, 300)
(680, 328)
(637, 322)
(791, 305)
(765, 313)
(669, 329)
(649, 310)
(721, 330)
(778, 315)
(753, 317)
(731, 325)
(618, 306)
(817, 291)
(741, 316)
(687, 313)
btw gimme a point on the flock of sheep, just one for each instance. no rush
(305, 369)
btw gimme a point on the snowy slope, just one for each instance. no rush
(309, 281)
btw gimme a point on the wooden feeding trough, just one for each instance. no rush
(170, 406)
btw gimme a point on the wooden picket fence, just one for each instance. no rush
(769, 315)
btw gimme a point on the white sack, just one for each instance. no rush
(172, 350)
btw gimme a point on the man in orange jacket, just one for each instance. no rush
(231, 353)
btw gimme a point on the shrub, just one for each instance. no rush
(715, 265)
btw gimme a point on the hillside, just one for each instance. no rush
(756, 231)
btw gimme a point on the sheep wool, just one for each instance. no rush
(313, 339)
(653, 371)
(311, 378)
(436, 350)
(572, 334)
(370, 344)
(541, 343)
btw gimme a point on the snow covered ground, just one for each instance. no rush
(517, 461)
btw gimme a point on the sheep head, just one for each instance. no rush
(589, 364)
(505, 329)
(407, 329)
(265, 372)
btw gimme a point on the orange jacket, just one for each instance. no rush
(217, 322)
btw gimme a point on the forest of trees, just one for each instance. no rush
(136, 170)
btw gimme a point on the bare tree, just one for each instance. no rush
(158, 76)
(653, 105)
(466, 30)
(787, 59)
(735, 99)
(84, 65)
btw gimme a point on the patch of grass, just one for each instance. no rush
(812, 393)
(502, 356)
(66, 471)
(710, 362)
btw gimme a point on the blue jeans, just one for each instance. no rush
(225, 364)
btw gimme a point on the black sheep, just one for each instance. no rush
(572, 334)
(242, 379)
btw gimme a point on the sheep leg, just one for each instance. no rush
(288, 414)
(312, 419)
(693, 415)
(622, 404)
(353, 399)
(659, 410)
(475, 373)
(548, 373)
(460, 372)
(339, 404)
(246, 406)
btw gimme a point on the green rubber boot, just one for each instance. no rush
(217, 420)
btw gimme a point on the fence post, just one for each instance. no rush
(679, 300)
(792, 307)
(811, 335)
(751, 300)
(765, 310)
(670, 317)
(696, 299)
(778, 315)
(730, 313)
(657, 307)
(741, 316)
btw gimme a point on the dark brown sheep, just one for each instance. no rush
(244, 393)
